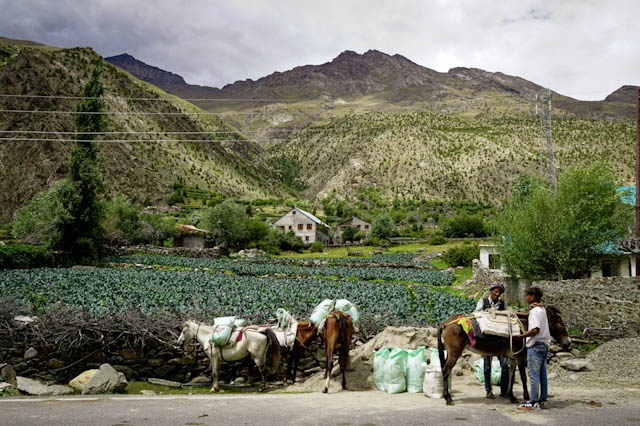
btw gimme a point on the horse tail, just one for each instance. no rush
(441, 346)
(274, 347)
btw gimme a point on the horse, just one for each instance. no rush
(337, 334)
(249, 341)
(305, 334)
(453, 338)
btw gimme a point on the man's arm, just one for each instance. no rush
(529, 333)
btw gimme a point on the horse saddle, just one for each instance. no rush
(498, 323)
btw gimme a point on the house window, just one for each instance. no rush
(300, 226)
(366, 227)
(282, 228)
(358, 226)
(289, 227)
(309, 225)
(306, 238)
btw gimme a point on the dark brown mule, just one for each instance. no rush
(452, 337)
(305, 334)
(337, 334)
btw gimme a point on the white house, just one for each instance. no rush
(305, 225)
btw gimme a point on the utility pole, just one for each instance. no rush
(547, 160)
(637, 227)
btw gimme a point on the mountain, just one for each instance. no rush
(392, 80)
(358, 128)
(215, 157)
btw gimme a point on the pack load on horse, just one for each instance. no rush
(462, 331)
(294, 338)
(241, 342)
(335, 321)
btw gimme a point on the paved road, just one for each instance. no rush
(339, 408)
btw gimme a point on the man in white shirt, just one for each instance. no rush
(538, 341)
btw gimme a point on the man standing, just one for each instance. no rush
(494, 302)
(538, 341)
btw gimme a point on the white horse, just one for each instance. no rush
(254, 342)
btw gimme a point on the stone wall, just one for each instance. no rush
(601, 306)
(213, 252)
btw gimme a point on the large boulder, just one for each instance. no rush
(576, 364)
(104, 380)
(7, 374)
(34, 387)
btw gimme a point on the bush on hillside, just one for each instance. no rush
(461, 255)
(317, 247)
(24, 256)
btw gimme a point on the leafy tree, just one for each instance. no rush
(464, 225)
(227, 223)
(461, 255)
(122, 221)
(562, 233)
(80, 232)
(349, 233)
(155, 228)
(382, 227)
(36, 221)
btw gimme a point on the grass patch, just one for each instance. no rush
(134, 388)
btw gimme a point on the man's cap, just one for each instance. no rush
(496, 284)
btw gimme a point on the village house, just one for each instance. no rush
(305, 225)
(359, 224)
(190, 237)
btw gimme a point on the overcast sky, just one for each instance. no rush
(585, 49)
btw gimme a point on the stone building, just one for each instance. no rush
(305, 225)
(190, 237)
(359, 224)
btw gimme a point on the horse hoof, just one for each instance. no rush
(449, 402)
(325, 390)
(514, 400)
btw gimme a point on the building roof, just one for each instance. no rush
(191, 230)
(351, 220)
(312, 217)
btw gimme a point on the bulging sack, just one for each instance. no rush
(395, 380)
(496, 370)
(347, 307)
(379, 359)
(433, 384)
(321, 311)
(415, 370)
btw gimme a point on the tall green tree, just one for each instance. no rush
(382, 227)
(562, 233)
(227, 223)
(79, 233)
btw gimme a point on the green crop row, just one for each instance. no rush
(423, 276)
(104, 290)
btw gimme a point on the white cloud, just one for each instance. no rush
(584, 48)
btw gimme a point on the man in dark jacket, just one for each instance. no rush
(494, 302)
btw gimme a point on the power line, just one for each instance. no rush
(126, 112)
(114, 98)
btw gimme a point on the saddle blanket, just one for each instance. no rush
(497, 323)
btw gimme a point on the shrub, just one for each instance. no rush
(465, 225)
(24, 256)
(437, 240)
(461, 255)
(317, 247)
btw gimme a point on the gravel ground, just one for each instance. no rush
(615, 363)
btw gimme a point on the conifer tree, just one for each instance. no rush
(79, 233)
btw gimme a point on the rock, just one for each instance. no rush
(163, 382)
(127, 371)
(576, 352)
(8, 374)
(30, 353)
(576, 364)
(104, 380)
(147, 392)
(555, 348)
(81, 380)
(4, 386)
(199, 379)
(54, 363)
(24, 318)
(34, 387)
(564, 355)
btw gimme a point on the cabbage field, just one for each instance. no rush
(220, 287)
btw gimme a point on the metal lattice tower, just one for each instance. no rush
(547, 159)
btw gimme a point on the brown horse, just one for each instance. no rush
(305, 334)
(452, 337)
(337, 334)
